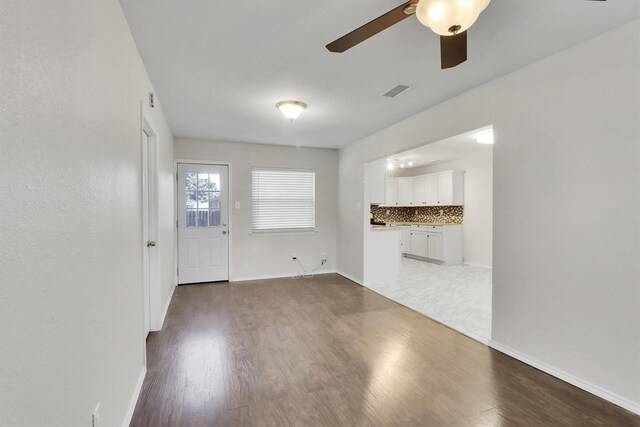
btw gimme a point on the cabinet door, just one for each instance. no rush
(431, 190)
(434, 246)
(405, 239)
(445, 188)
(419, 191)
(392, 191)
(405, 191)
(377, 181)
(419, 243)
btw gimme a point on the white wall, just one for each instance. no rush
(478, 203)
(71, 308)
(566, 185)
(256, 256)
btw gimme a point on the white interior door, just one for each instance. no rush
(146, 232)
(203, 213)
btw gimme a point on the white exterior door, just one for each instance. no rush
(203, 213)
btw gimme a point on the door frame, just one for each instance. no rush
(230, 203)
(149, 155)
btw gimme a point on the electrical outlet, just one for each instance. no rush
(324, 256)
(441, 212)
(294, 257)
(95, 417)
(388, 211)
(417, 211)
(237, 205)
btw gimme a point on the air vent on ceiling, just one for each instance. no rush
(396, 91)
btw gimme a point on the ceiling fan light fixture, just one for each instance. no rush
(291, 109)
(449, 17)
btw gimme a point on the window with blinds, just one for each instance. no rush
(283, 200)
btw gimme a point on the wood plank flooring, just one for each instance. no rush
(327, 352)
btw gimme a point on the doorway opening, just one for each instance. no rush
(434, 203)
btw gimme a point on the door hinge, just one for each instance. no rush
(176, 223)
(176, 176)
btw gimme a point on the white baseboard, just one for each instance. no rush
(276, 276)
(478, 265)
(350, 277)
(166, 308)
(134, 398)
(567, 377)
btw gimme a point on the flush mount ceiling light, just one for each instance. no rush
(410, 163)
(390, 166)
(291, 109)
(485, 137)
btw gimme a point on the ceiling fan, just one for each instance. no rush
(450, 19)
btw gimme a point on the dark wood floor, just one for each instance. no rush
(327, 352)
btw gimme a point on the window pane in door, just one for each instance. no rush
(214, 209)
(203, 182)
(203, 218)
(191, 219)
(214, 182)
(190, 181)
(203, 200)
(191, 200)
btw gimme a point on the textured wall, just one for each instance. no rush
(269, 255)
(567, 149)
(71, 308)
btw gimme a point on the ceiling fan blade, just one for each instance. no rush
(453, 50)
(369, 29)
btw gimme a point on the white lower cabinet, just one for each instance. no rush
(419, 246)
(405, 238)
(443, 243)
(434, 246)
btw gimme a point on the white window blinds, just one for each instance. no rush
(283, 200)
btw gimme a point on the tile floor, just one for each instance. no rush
(458, 296)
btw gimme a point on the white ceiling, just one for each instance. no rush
(219, 66)
(447, 150)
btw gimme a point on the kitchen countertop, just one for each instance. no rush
(383, 228)
(420, 223)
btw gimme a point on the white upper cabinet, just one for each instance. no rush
(378, 178)
(431, 190)
(405, 191)
(450, 188)
(436, 189)
(419, 192)
(392, 191)
(445, 188)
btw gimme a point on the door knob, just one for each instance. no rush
(224, 231)
(151, 243)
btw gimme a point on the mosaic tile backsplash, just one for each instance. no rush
(450, 214)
